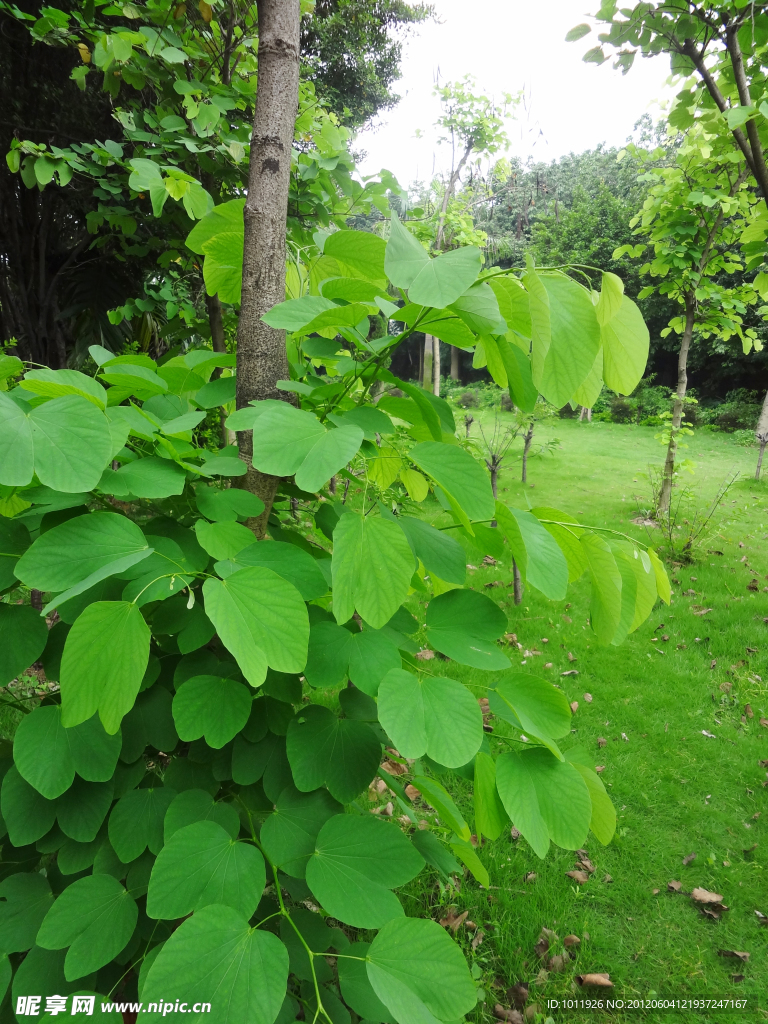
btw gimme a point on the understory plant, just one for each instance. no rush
(185, 812)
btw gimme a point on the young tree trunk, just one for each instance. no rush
(261, 358)
(517, 583)
(436, 366)
(665, 495)
(426, 370)
(528, 439)
(455, 374)
(761, 434)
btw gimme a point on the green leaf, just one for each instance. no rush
(611, 297)
(545, 798)
(540, 560)
(196, 805)
(216, 709)
(356, 988)
(467, 854)
(605, 605)
(460, 476)
(222, 540)
(588, 393)
(359, 254)
(217, 392)
(419, 973)
(282, 436)
(289, 833)
(431, 715)
(603, 820)
(438, 797)
(405, 257)
(356, 862)
(372, 568)
(25, 635)
(478, 307)
(136, 821)
(577, 33)
(737, 116)
(201, 865)
(82, 809)
(535, 706)
(27, 814)
(72, 443)
(567, 539)
(14, 541)
(626, 342)
(336, 752)
(490, 817)
(227, 504)
(290, 563)
(261, 619)
(662, 580)
(244, 976)
(330, 453)
(435, 853)
(25, 899)
(151, 477)
(513, 304)
(441, 281)
(17, 455)
(336, 653)
(55, 383)
(565, 335)
(440, 553)
(225, 217)
(522, 390)
(95, 918)
(80, 549)
(105, 657)
(464, 626)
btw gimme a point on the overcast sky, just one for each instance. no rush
(508, 45)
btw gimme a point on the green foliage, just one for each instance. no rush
(223, 704)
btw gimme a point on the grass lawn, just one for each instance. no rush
(677, 791)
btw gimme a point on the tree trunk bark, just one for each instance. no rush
(665, 495)
(528, 439)
(436, 366)
(761, 433)
(455, 375)
(426, 375)
(517, 583)
(261, 358)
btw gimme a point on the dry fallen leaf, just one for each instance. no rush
(762, 918)
(588, 698)
(425, 655)
(698, 610)
(656, 892)
(494, 583)
(479, 936)
(705, 896)
(764, 723)
(518, 994)
(713, 663)
(488, 560)
(571, 656)
(454, 921)
(394, 768)
(710, 735)
(580, 877)
(691, 857)
(411, 792)
(601, 741)
(557, 963)
(737, 978)
(674, 886)
(574, 706)
(607, 878)
(512, 1016)
(599, 980)
(625, 737)
(514, 835)
(531, 876)
(735, 953)
(570, 672)
(585, 862)
(599, 768)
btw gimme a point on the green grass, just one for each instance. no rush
(676, 790)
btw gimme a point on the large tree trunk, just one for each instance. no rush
(435, 366)
(761, 434)
(665, 496)
(455, 373)
(261, 358)
(426, 368)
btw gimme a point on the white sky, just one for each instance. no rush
(508, 45)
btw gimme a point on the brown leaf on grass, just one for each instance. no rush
(588, 698)
(764, 723)
(713, 663)
(472, 568)
(689, 859)
(571, 656)
(556, 964)
(470, 925)
(511, 638)
(625, 737)
(601, 741)
(489, 560)
(753, 585)
(689, 593)
(607, 878)
(736, 978)
(494, 583)
(570, 672)
(674, 886)
(598, 980)
(411, 792)
(585, 862)
(424, 655)
(762, 918)
(454, 921)
(705, 896)
(744, 957)
(567, 619)
(541, 980)
(548, 664)
(574, 706)
(394, 768)
(546, 936)
(599, 768)
(709, 735)
(479, 936)
(713, 912)
(518, 994)
(580, 877)
(763, 764)
(514, 835)
(656, 892)
(531, 876)
(698, 609)
(571, 940)
(512, 1016)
